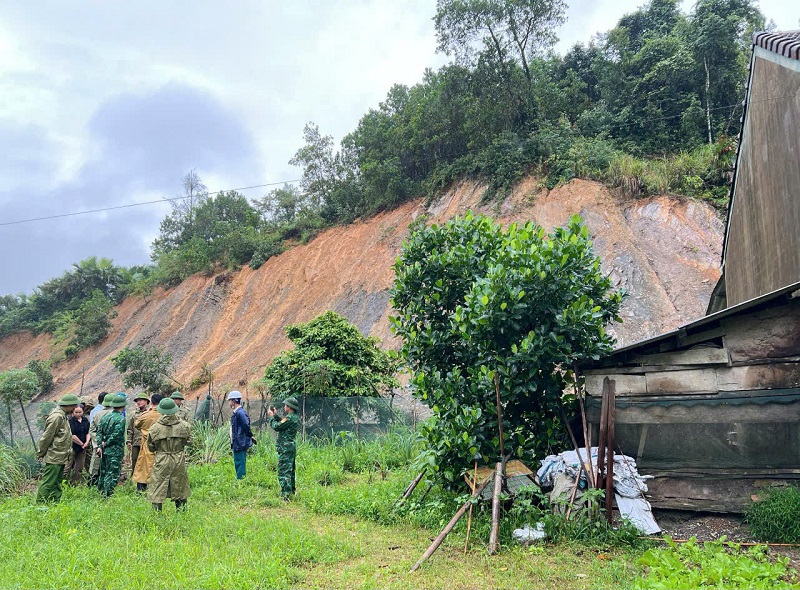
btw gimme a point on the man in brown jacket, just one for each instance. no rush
(144, 462)
(134, 435)
(55, 449)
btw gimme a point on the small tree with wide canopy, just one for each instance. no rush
(473, 299)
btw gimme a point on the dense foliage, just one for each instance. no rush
(648, 107)
(16, 386)
(775, 518)
(475, 301)
(145, 367)
(331, 358)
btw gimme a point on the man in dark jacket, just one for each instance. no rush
(55, 449)
(241, 435)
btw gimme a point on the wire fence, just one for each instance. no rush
(320, 417)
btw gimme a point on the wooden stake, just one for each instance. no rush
(83, 374)
(572, 497)
(411, 487)
(469, 518)
(494, 544)
(453, 521)
(612, 389)
(601, 441)
(587, 439)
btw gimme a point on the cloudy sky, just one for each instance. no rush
(109, 103)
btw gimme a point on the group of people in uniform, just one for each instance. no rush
(156, 435)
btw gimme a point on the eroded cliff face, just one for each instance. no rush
(664, 251)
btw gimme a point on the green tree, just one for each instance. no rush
(17, 386)
(43, 374)
(508, 29)
(91, 323)
(473, 300)
(331, 359)
(145, 367)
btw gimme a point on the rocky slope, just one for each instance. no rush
(665, 251)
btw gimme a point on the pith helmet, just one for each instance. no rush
(117, 401)
(69, 400)
(234, 395)
(177, 395)
(167, 407)
(141, 395)
(292, 403)
(88, 401)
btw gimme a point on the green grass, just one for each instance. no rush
(776, 519)
(342, 531)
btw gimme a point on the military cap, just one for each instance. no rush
(176, 395)
(69, 400)
(167, 407)
(141, 395)
(292, 403)
(117, 401)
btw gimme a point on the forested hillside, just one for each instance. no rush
(650, 107)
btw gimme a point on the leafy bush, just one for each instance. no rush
(146, 367)
(209, 443)
(264, 250)
(714, 565)
(92, 323)
(776, 519)
(43, 374)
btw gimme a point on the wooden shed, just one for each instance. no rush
(712, 410)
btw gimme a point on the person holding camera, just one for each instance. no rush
(241, 436)
(286, 428)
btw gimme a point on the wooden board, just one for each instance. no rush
(704, 355)
(691, 381)
(626, 384)
(703, 414)
(707, 494)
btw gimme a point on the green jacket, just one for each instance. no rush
(111, 431)
(95, 421)
(55, 445)
(184, 413)
(168, 439)
(134, 434)
(287, 431)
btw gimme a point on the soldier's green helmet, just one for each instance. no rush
(69, 400)
(117, 401)
(292, 403)
(167, 407)
(177, 395)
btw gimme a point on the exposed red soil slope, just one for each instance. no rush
(664, 251)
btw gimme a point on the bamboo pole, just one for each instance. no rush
(601, 441)
(453, 521)
(411, 487)
(572, 496)
(494, 544)
(28, 424)
(469, 518)
(587, 438)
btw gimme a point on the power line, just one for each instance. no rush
(129, 205)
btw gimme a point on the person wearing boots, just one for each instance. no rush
(167, 440)
(286, 428)
(111, 445)
(241, 435)
(144, 462)
(55, 449)
(134, 434)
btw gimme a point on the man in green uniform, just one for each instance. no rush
(111, 445)
(94, 419)
(55, 449)
(184, 413)
(167, 440)
(134, 435)
(287, 450)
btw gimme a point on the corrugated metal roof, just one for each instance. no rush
(785, 43)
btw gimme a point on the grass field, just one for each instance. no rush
(340, 532)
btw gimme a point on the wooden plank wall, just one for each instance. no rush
(762, 250)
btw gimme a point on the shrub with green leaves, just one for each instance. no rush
(714, 565)
(474, 301)
(776, 519)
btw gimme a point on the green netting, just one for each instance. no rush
(742, 433)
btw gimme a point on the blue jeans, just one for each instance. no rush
(240, 463)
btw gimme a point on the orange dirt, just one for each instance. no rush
(664, 251)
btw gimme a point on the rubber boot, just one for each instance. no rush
(141, 487)
(157, 507)
(180, 505)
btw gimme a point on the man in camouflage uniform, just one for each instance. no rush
(184, 413)
(94, 419)
(287, 450)
(55, 449)
(134, 435)
(111, 445)
(167, 440)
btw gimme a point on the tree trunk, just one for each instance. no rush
(28, 424)
(10, 422)
(708, 101)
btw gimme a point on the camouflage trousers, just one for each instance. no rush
(110, 467)
(286, 468)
